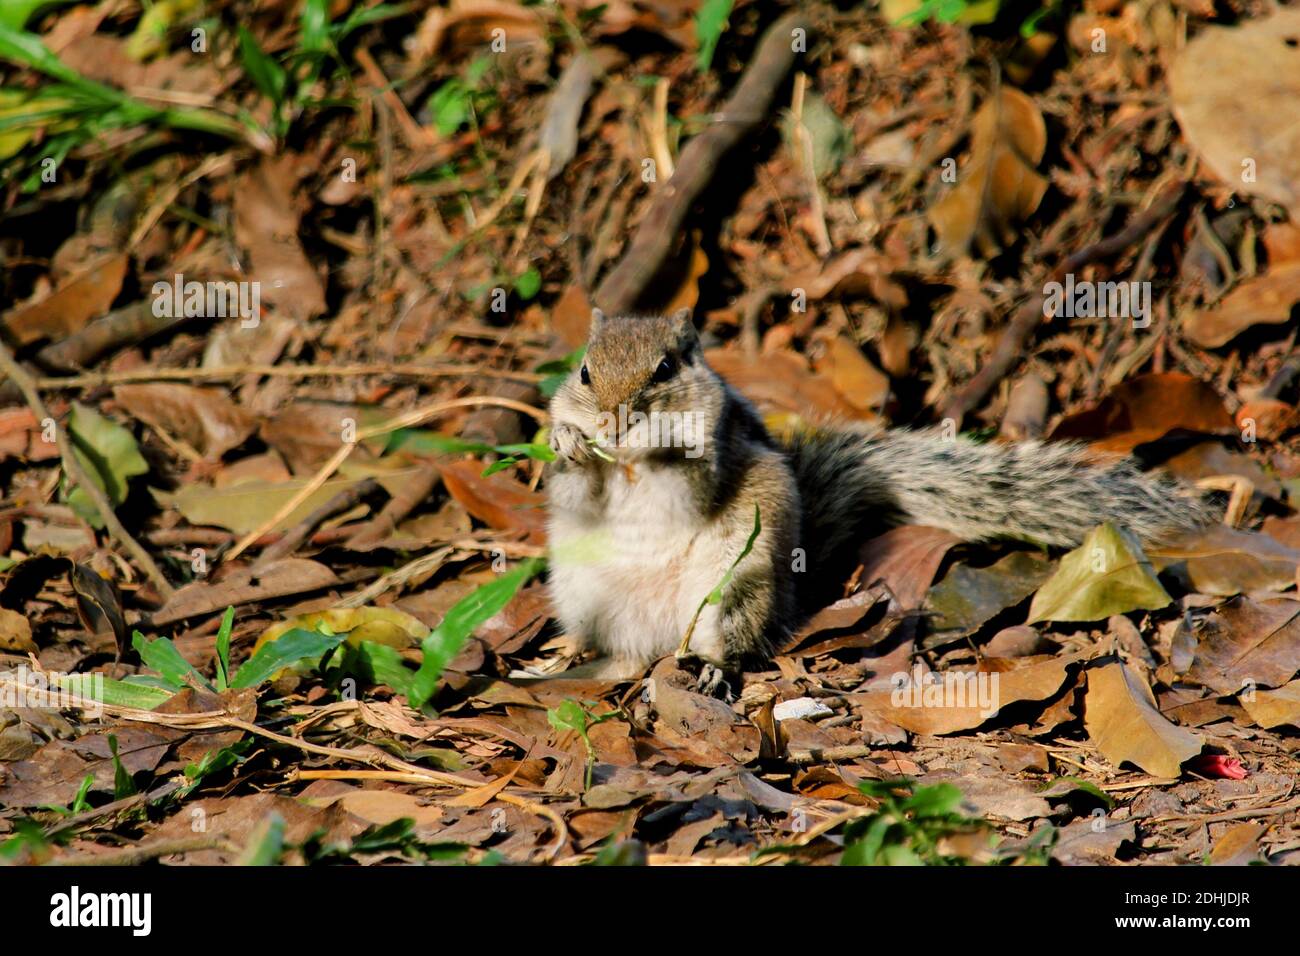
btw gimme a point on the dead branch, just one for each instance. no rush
(745, 110)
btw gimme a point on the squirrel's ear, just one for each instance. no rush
(681, 320)
(597, 320)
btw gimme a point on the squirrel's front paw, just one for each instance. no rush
(569, 443)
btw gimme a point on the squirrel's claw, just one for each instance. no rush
(710, 679)
(569, 443)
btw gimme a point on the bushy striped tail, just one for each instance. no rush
(1046, 493)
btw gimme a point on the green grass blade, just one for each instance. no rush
(286, 650)
(464, 618)
(267, 75)
(223, 649)
(161, 655)
(115, 693)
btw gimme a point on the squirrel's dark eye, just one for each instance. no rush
(666, 369)
(585, 376)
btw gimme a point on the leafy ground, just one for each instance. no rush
(431, 199)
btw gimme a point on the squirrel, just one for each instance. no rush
(663, 472)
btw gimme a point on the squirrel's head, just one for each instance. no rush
(643, 365)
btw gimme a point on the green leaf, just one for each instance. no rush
(115, 693)
(288, 649)
(365, 16)
(267, 75)
(528, 284)
(162, 656)
(386, 666)
(109, 454)
(223, 649)
(266, 844)
(465, 617)
(501, 465)
(710, 22)
(568, 715)
(123, 785)
(16, 13)
(934, 801)
(315, 26)
(450, 106)
(558, 370)
(1107, 574)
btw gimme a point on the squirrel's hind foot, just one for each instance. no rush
(711, 680)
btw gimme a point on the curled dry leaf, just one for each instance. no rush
(203, 418)
(1226, 88)
(1121, 718)
(1266, 299)
(266, 225)
(497, 500)
(1145, 409)
(70, 307)
(952, 701)
(1226, 561)
(999, 186)
(1274, 708)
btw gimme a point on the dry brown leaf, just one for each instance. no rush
(1121, 718)
(497, 500)
(1248, 643)
(905, 560)
(266, 225)
(860, 383)
(1274, 708)
(203, 418)
(469, 23)
(1267, 299)
(282, 578)
(1145, 409)
(21, 435)
(69, 308)
(1239, 846)
(1227, 88)
(1267, 418)
(781, 382)
(940, 709)
(571, 316)
(999, 186)
(15, 632)
(1225, 561)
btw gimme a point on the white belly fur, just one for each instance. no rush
(629, 578)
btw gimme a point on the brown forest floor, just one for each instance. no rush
(432, 219)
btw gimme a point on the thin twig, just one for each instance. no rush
(747, 107)
(408, 420)
(232, 372)
(72, 468)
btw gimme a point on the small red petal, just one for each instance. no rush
(1217, 765)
